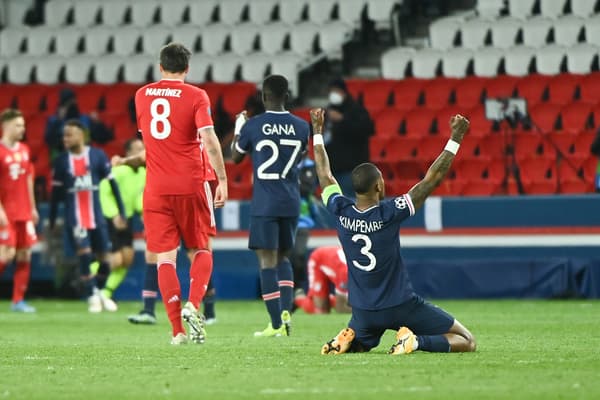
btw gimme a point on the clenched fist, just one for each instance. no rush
(459, 126)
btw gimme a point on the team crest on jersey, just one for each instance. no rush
(400, 203)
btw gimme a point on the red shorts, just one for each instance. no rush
(170, 218)
(18, 235)
(320, 277)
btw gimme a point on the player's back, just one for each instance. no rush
(276, 141)
(15, 166)
(169, 115)
(377, 277)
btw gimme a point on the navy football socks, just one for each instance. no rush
(270, 294)
(285, 275)
(150, 291)
(434, 343)
(89, 281)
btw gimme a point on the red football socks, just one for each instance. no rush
(21, 280)
(171, 294)
(199, 276)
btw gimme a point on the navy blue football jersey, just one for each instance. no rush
(377, 278)
(276, 142)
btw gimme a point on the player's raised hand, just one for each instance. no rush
(317, 119)
(459, 126)
(220, 195)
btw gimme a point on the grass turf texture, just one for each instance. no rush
(527, 349)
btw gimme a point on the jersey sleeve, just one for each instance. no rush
(402, 207)
(107, 200)
(203, 113)
(333, 198)
(244, 143)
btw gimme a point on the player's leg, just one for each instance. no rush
(121, 258)
(80, 241)
(363, 333)
(163, 239)
(426, 327)
(26, 238)
(285, 273)
(147, 315)
(298, 259)
(209, 303)
(8, 243)
(101, 246)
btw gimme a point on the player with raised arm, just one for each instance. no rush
(18, 214)
(76, 178)
(379, 288)
(174, 119)
(275, 140)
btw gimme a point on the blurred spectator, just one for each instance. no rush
(347, 131)
(595, 149)
(68, 109)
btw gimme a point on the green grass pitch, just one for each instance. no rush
(527, 350)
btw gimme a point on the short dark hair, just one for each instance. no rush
(275, 87)
(364, 176)
(9, 114)
(175, 57)
(130, 142)
(77, 124)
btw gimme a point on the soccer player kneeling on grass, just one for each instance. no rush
(379, 289)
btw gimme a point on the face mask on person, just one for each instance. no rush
(335, 98)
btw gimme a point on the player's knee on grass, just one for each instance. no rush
(469, 343)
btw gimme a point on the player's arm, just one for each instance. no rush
(237, 152)
(438, 170)
(326, 179)
(215, 156)
(110, 209)
(106, 173)
(35, 217)
(133, 161)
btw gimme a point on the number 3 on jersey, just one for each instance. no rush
(295, 144)
(160, 127)
(365, 250)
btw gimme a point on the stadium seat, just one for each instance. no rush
(533, 88)
(55, 12)
(106, 69)
(430, 147)
(140, 69)
(77, 70)
(8, 95)
(67, 41)
(376, 94)
(117, 98)
(188, 36)
(35, 129)
(469, 92)
(545, 116)
(230, 12)
(125, 43)
(302, 38)
(333, 35)
(172, 12)
(521, 8)
(153, 38)
(407, 93)
(403, 148)
(472, 169)
(589, 168)
(395, 61)
(575, 186)
(518, 60)
(214, 91)
(504, 32)
(580, 58)
(480, 188)
(501, 86)
(350, 10)
(39, 40)
(567, 30)
(538, 175)
(113, 13)
(243, 38)
(14, 13)
(577, 117)
(418, 122)
(225, 67)
(387, 122)
(29, 98)
(235, 96)
(536, 31)
(48, 69)
(549, 59)
(409, 170)
(489, 9)
(486, 61)
(272, 37)
(425, 63)
(439, 92)
(12, 40)
(480, 125)
(582, 8)
(552, 9)
(590, 88)
(529, 145)
(493, 146)
(443, 118)
(355, 87)
(88, 97)
(19, 70)
(468, 148)
(443, 32)
(254, 67)
(563, 88)
(455, 62)
(320, 11)
(97, 40)
(592, 30)
(261, 11)
(584, 141)
(291, 12)
(288, 64)
(201, 12)
(214, 38)
(123, 128)
(85, 13)
(474, 33)
(378, 148)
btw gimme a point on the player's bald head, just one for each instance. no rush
(275, 88)
(175, 58)
(365, 177)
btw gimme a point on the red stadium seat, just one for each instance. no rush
(590, 168)
(438, 92)
(407, 93)
(470, 147)
(430, 147)
(8, 95)
(118, 97)
(35, 128)
(355, 87)
(501, 86)
(571, 168)
(469, 169)
(403, 148)
(303, 113)
(541, 187)
(583, 142)
(545, 116)
(493, 145)
(529, 144)
(408, 170)
(537, 170)
(562, 141)
(449, 188)
(480, 188)
(480, 126)
(532, 88)
(29, 98)
(577, 117)
(418, 122)
(378, 147)
(88, 97)
(214, 91)
(590, 88)
(387, 122)
(561, 88)
(576, 186)
(377, 94)
(443, 117)
(398, 187)
(469, 92)
(235, 96)
(124, 128)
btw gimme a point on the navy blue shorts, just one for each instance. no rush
(272, 233)
(420, 316)
(97, 239)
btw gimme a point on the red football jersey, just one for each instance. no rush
(169, 114)
(15, 168)
(332, 262)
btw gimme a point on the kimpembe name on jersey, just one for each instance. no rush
(360, 225)
(163, 92)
